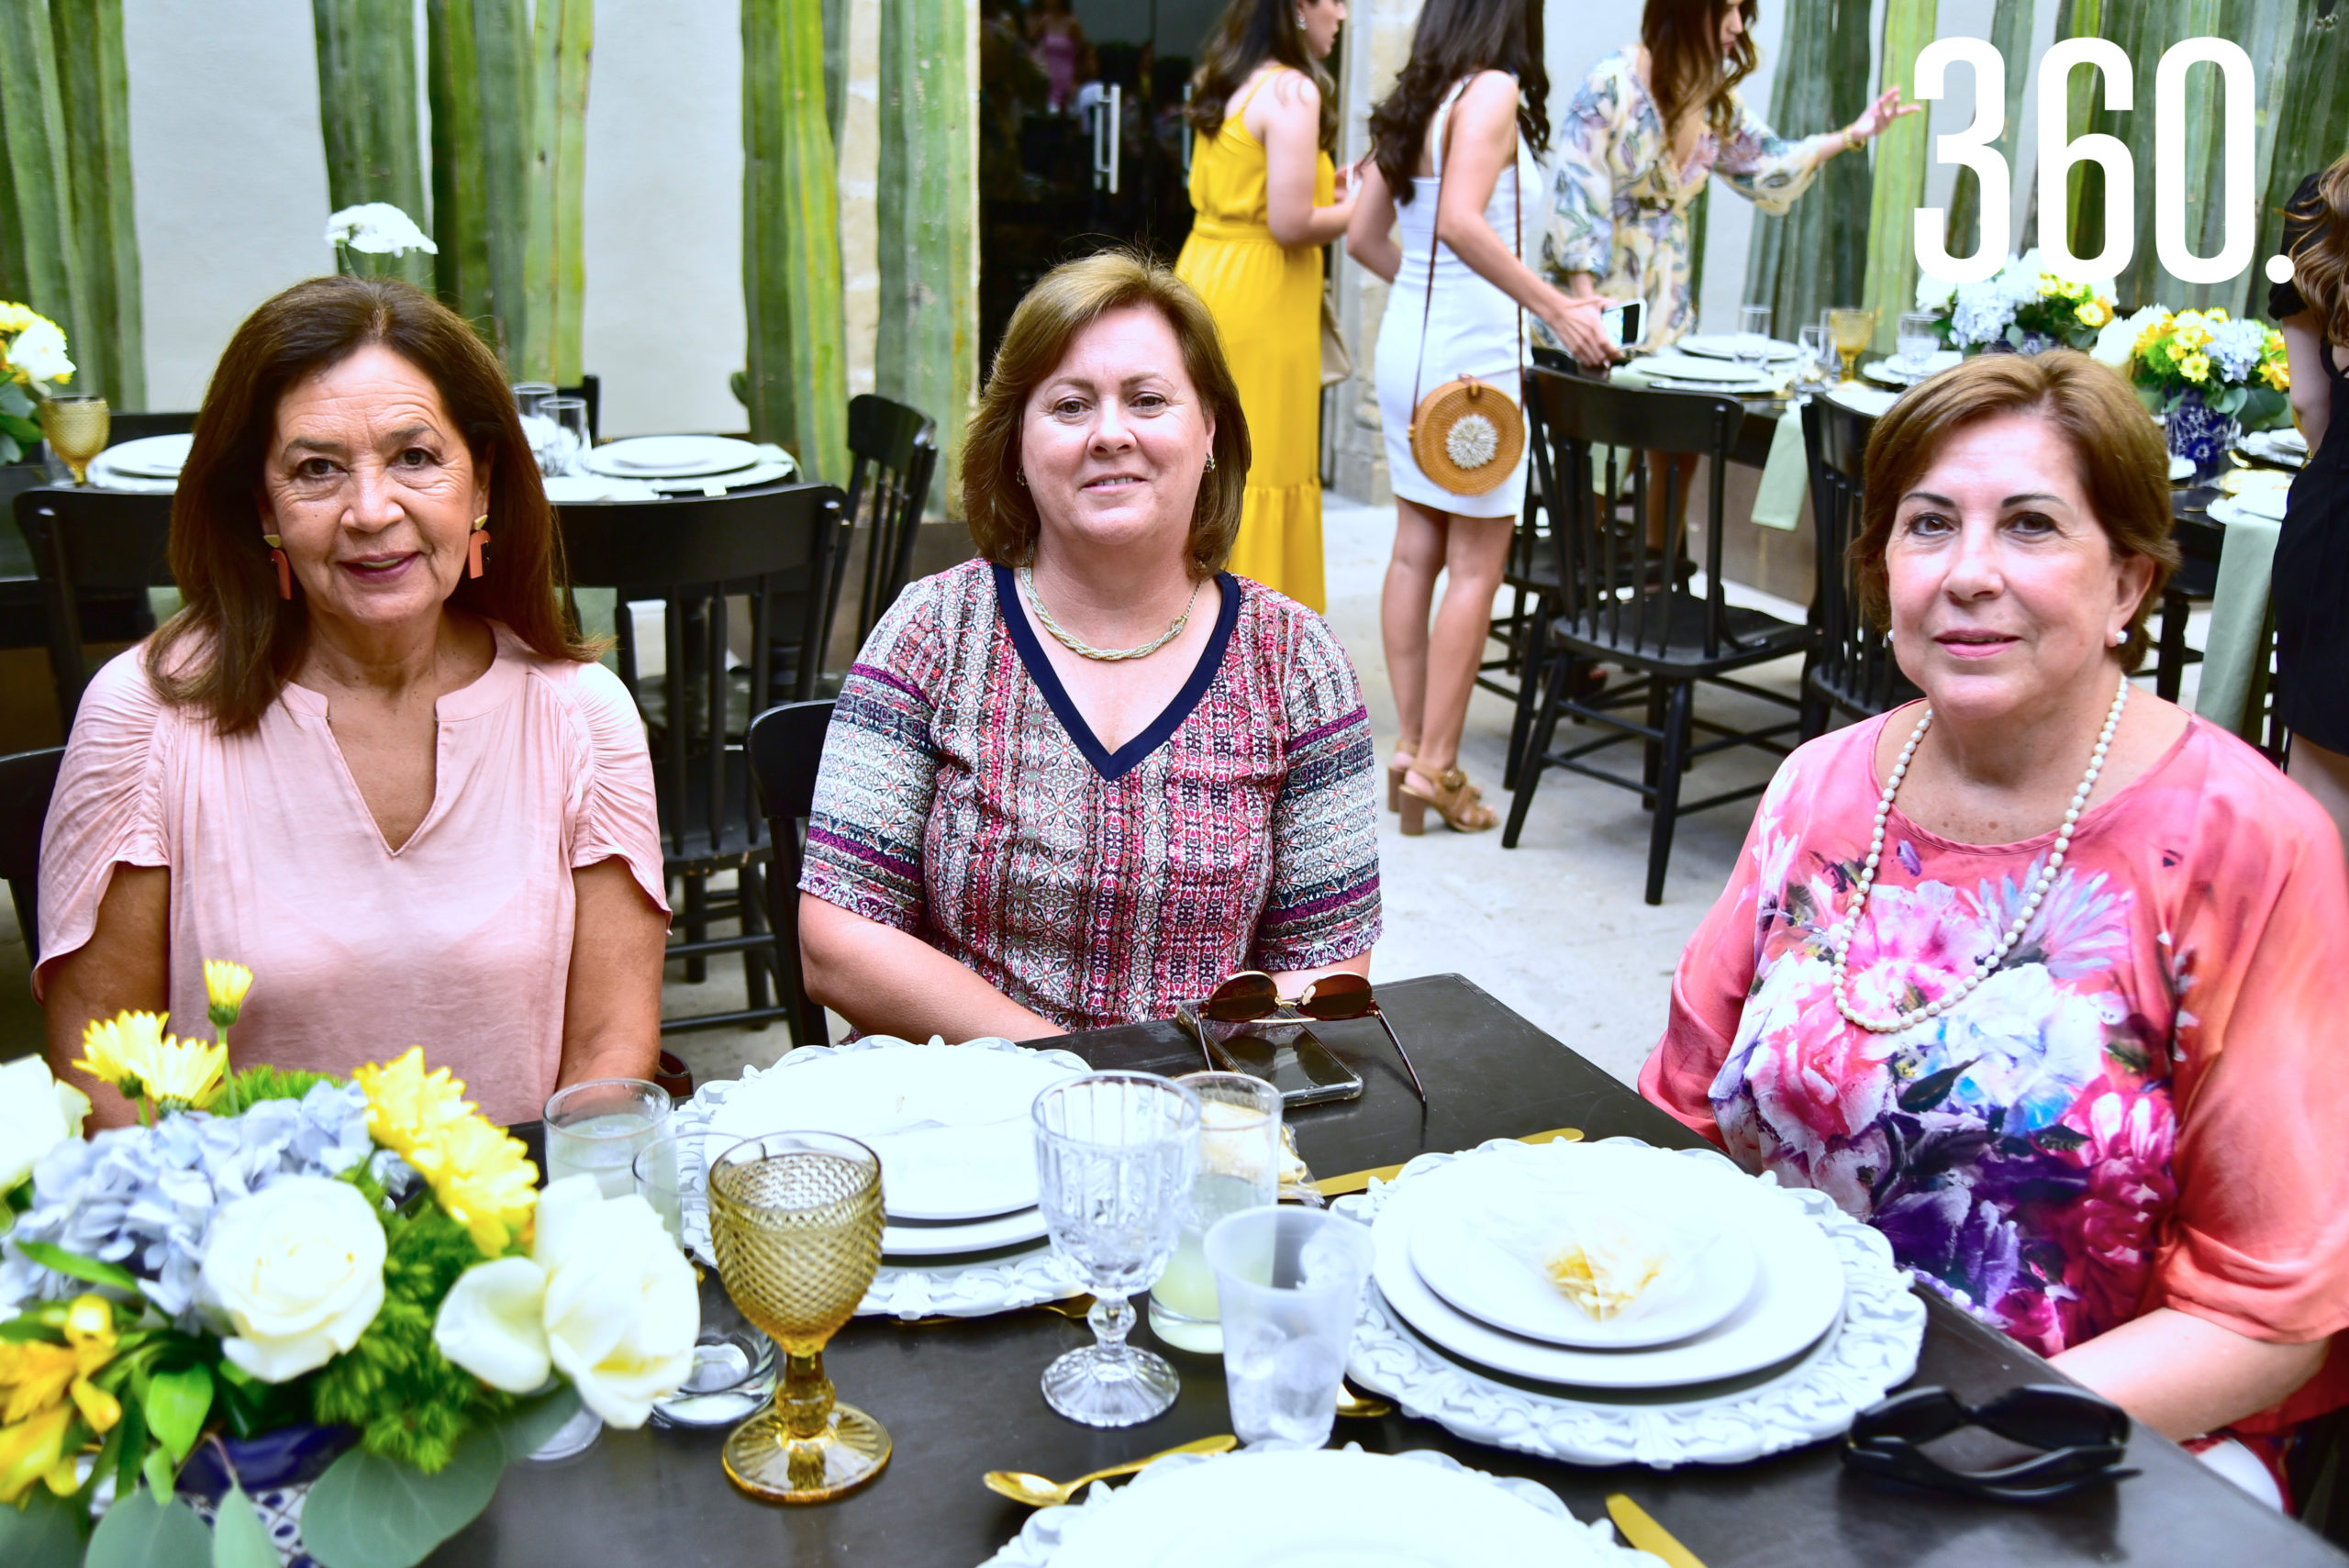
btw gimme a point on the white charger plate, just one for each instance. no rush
(1795, 1301)
(1325, 1508)
(1669, 366)
(946, 1241)
(1723, 346)
(1708, 1274)
(150, 457)
(670, 457)
(1865, 400)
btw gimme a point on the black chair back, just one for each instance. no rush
(787, 747)
(121, 427)
(89, 544)
(26, 781)
(895, 450)
(589, 391)
(1851, 670)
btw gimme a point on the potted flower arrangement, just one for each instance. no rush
(283, 1276)
(2206, 376)
(33, 364)
(2021, 308)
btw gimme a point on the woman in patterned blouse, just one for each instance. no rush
(1091, 774)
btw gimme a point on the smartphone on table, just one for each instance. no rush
(1280, 1049)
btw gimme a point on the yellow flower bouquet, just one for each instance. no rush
(33, 364)
(2205, 375)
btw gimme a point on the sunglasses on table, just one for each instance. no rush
(2082, 1437)
(1252, 993)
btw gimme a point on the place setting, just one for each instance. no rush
(2280, 449)
(149, 465)
(687, 465)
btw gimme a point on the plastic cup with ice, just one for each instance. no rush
(1289, 1281)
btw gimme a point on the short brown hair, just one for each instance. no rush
(236, 644)
(2124, 463)
(1065, 302)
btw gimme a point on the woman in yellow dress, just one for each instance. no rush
(1265, 115)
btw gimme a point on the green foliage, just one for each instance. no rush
(177, 1401)
(238, 1539)
(246, 1089)
(45, 1532)
(408, 1402)
(367, 109)
(139, 1532)
(97, 1271)
(796, 371)
(368, 1511)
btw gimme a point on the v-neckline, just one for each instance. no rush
(1115, 765)
(1649, 106)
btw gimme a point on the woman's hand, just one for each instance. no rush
(1575, 320)
(2183, 1376)
(1878, 119)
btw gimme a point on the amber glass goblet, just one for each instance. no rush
(76, 430)
(795, 1219)
(1853, 331)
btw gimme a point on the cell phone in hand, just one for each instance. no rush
(1625, 324)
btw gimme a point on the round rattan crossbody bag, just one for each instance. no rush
(1466, 434)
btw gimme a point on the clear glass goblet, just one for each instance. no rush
(1115, 1156)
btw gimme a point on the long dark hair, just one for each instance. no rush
(234, 646)
(1456, 39)
(1686, 67)
(2320, 264)
(1249, 33)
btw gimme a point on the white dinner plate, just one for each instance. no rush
(670, 457)
(1715, 388)
(1887, 373)
(1488, 1266)
(1689, 367)
(913, 1239)
(2267, 504)
(1797, 1296)
(150, 457)
(951, 1124)
(1723, 346)
(2288, 449)
(1866, 400)
(1321, 1509)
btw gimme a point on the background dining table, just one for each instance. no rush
(960, 1397)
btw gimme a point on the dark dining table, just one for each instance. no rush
(962, 1398)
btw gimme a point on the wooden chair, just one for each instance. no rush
(121, 427)
(26, 781)
(787, 747)
(895, 450)
(93, 549)
(1851, 672)
(1623, 608)
(764, 547)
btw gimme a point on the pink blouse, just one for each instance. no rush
(460, 940)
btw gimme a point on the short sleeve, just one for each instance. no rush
(108, 808)
(879, 775)
(2285, 299)
(616, 814)
(1764, 167)
(1323, 906)
(1582, 219)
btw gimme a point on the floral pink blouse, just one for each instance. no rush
(2140, 1108)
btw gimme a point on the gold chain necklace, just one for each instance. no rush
(1085, 649)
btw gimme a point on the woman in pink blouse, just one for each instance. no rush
(2042, 976)
(369, 759)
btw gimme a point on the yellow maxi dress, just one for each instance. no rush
(1266, 300)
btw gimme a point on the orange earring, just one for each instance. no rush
(284, 572)
(480, 543)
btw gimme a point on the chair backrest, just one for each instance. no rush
(121, 427)
(1612, 590)
(1851, 662)
(787, 747)
(693, 554)
(26, 781)
(83, 542)
(895, 453)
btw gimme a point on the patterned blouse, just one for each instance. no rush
(2141, 1107)
(1622, 211)
(963, 799)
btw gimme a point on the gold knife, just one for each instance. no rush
(1359, 1181)
(1648, 1536)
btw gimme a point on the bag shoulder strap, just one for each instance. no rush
(1517, 231)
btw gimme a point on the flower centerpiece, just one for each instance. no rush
(2021, 307)
(2206, 376)
(32, 365)
(365, 1266)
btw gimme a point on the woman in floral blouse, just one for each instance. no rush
(2064, 1023)
(1091, 774)
(1650, 126)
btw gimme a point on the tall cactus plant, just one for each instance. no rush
(796, 375)
(1813, 258)
(367, 109)
(1900, 173)
(2309, 121)
(555, 280)
(477, 68)
(2010, 26)
(926, 348)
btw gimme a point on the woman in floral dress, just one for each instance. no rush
(2064, 1022)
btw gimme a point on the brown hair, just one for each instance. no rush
(2321, 263)
(1685, 68)
(1453, 39)
(1249, 33)
(1065, 302)
(2124, 466)
(236, 643)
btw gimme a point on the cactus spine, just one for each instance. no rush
(367, 109)
(796, 374)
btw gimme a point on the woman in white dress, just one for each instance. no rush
(1468, 114)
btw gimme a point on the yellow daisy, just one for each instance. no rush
(117, 1050)
(186, 1074)
(225, 986)
(2093, 313)
(2195, 367)
(2278, 375)
(481, 1177)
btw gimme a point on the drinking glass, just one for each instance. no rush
(1115, 1155)
(1849, 330)
(733, 1369)
(600, 1126)
(76, 430)
(566, 436)
(531, 396)
(795, 1219)
(1290, 1281)
(654, 1173)
(1752, 335)
(1812, 339)
(1240, 1169)
(1916, 340)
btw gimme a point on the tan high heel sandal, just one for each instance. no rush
(1458, 802)
(1395, 771)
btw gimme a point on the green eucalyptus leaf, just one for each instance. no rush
(2264, 408)
(95, 1270)
(534, 1423)
(139, 1532)
(132, 1429)
(238, 1539)
(9, 452)
(42, 1534)
(177, 1402)
(160, 1472)
(370, 1512)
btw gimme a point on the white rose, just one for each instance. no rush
(605, 1297)
(2118, 342)
(298, 1269)
(40, 352)
(36, 1114)
(1934, 294)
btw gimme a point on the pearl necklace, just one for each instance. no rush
(1839, 936)
(1085, 649)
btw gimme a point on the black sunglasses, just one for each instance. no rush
(1252, 994)
(2084, 1439)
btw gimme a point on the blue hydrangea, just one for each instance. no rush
(1984, 311)
(144, 1196)
(2235, 348)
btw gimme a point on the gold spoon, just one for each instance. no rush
(1361, 1407)
(1037, 1492)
